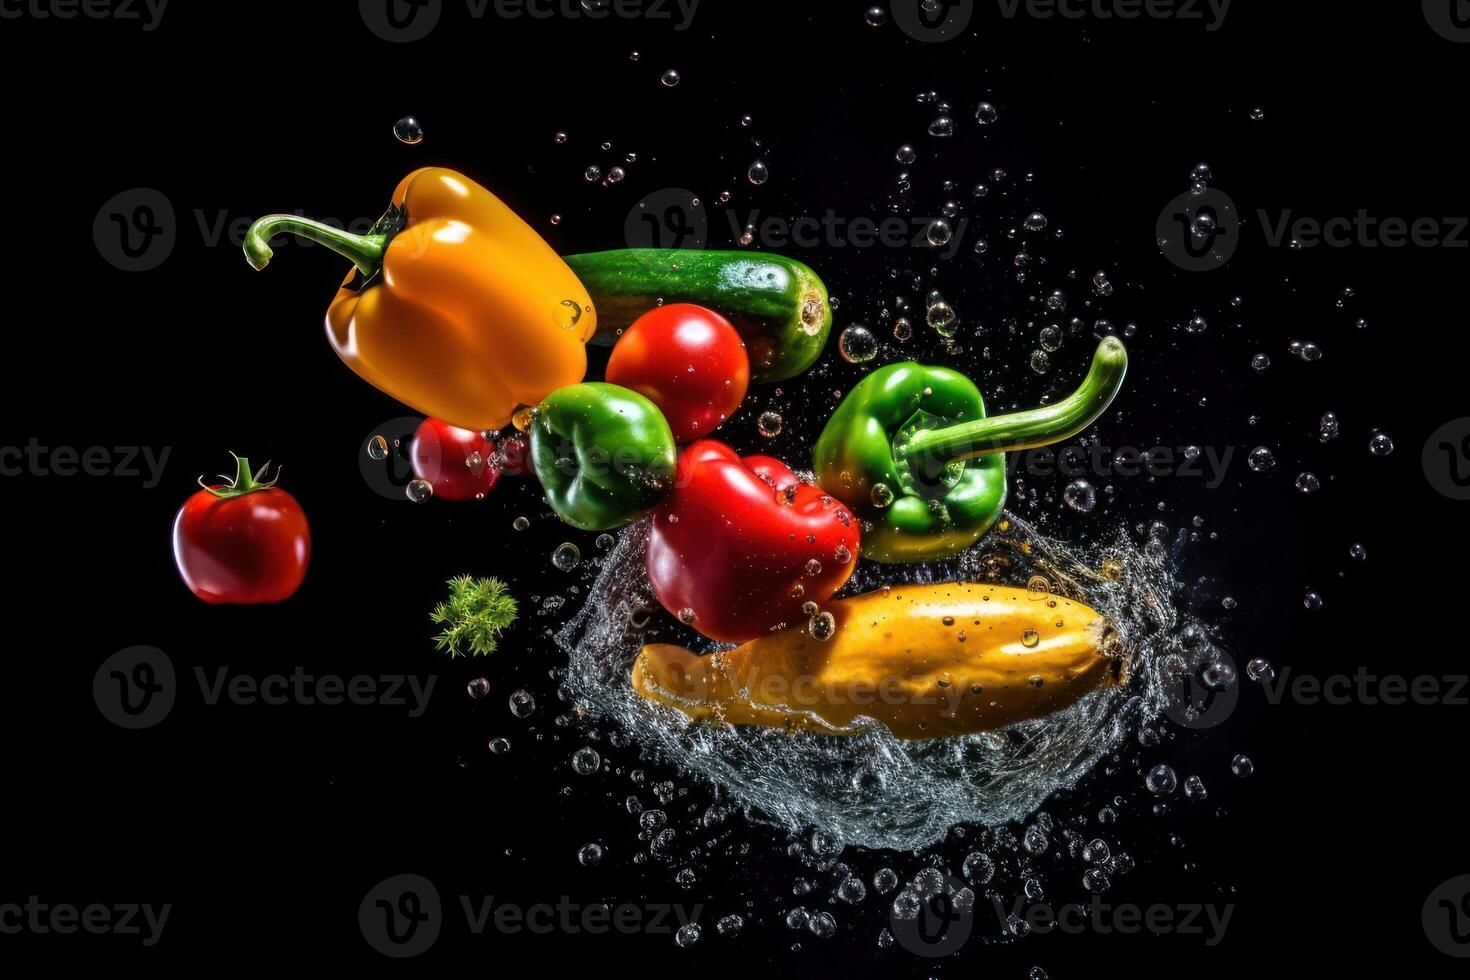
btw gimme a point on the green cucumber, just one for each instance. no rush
(778, 305)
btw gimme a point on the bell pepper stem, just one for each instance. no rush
(365, 251)
(934, 448)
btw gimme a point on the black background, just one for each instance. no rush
(265, 826)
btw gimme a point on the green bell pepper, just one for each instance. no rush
(604, 454)
(911, 451)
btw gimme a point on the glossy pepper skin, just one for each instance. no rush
(604, 454)
(456, 307)
(911, 450)
(943, 659)
(742, 544)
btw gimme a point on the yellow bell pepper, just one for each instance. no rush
(925, 660)
(456, 307)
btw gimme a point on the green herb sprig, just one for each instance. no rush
(477, 611)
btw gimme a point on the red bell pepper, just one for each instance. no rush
(740, 545)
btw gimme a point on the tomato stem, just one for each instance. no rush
(243, 482)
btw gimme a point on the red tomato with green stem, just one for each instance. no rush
(687, 360)
(245, 541)
(458, 463)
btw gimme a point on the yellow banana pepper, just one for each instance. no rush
(925, 660)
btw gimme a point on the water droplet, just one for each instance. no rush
(985, 114)
(688, 934)
(822, 925)
(1260, 459)
(670, 78)
(522, 704)
(1030, 638)
(730, 925)
(876, 16)
(592, 173)
(407, 130)
(566, 556)
(758, 173)
(1242, 766)
(1307, 482)
(585, 761)
(1358, 553)
(941, 318)
(905, 155)
(823, 626)
(478, 688)
(769, 424)
(857, 344)
(499, 746)
(902, 329)
(590, 855)
(1328, 428)
(1035, 221)
(1260, 670)
(939, 232)
(881, 495)
(1380, 444)
(520, 523)
(1312, 601)
(377, 448)
(1081, 496)
(942, 126)
(419, 491)
(1161, 780)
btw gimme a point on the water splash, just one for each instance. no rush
(872, 789)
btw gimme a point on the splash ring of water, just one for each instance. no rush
(871, 789)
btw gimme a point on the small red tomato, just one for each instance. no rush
(242, 542)
(687, 360)
(456, 462)
(514, 455)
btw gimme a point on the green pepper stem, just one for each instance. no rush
(1026, 430)
(365, 251)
